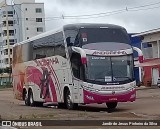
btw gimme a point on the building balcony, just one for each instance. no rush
(11, 36)
(10, 17)
(10, 27)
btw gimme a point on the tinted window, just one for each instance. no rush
(49, 46)
(72, 34)
(109, 69)
(59, 45)
(95, 35)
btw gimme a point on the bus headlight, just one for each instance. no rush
(133, 96)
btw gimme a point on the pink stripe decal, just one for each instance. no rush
(56, 81)
(35, 76)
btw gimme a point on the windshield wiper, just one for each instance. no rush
(123, 77)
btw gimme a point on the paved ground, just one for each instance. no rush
(146, 107)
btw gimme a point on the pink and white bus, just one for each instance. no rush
(77, 64)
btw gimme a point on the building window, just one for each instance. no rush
(6, 61)
(11, 60)
(27, 37)
(27, 28)
(38, 10)
(26, 9)
(10, 13)
(6, 52)
(14, 22)
(38, 19)
(26, 19)
(11, 32)
(39, 29)
(11, 51)
(11, 41)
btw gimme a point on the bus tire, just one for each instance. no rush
(30, 97)
(38, 104)
(68, 101)
(112, 105)
(61, 105)
(26, 100)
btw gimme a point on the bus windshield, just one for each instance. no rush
(103, 70)
(96, 35)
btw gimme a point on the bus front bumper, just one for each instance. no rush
(90, 97)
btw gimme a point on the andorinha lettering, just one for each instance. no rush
(109, 53)
(46, 62)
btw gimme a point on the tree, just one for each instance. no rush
(1, 71)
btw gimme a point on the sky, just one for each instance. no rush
(135, 15)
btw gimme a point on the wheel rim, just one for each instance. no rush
(31, 98)
(69, 100)
(26, 98)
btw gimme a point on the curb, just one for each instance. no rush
(146, 88)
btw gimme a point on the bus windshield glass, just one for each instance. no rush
(96, 35)
(103, 70)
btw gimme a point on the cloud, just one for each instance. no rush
(133, 21)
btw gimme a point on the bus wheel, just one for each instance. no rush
(68, 101)
(30, 97)
(61, 105)
(26, 100)
(111, 105)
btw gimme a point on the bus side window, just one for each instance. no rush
(59, 46)
(77, 67)
(38, 56)
(77, 40)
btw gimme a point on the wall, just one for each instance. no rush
(148, 72)
(31, 23)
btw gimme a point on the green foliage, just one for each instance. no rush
(6, 70)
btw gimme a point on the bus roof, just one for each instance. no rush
(70, 26)
(90, 25)
(38, 36)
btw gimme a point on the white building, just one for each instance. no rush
(25, 20)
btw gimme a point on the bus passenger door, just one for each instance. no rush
(75, 90)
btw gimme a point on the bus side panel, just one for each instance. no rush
(44, 87)
(18, 81)
(46, 77)
(49, 76)
(17, 87)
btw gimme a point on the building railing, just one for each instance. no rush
(11, 15)
(4, 25)
(10, 34)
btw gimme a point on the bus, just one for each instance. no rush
(80, 63)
